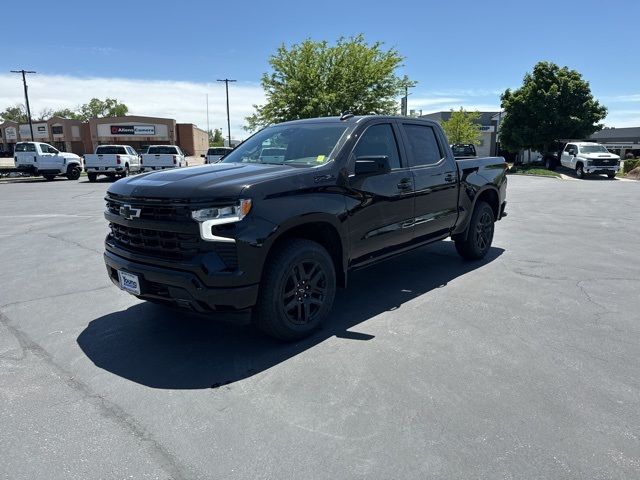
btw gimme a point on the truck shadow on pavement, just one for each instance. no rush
(165, 348)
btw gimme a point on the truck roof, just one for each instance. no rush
(355, 119)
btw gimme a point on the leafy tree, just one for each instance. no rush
(462, 127)
(553, 103)
(96, 108)
(315, 79)
(215, 138)
(16, 113)
(66, 113)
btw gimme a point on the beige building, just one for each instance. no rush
(83, 137)
(141, 132)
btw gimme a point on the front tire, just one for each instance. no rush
(551, 163)
(479, 234)
(298, 290)
(611, 175)
(49, 178)
(73, 172)
(580, 171)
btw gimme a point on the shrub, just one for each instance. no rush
(630, 165)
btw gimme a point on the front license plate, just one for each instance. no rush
(129, 282)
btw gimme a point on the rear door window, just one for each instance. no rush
(423, 145)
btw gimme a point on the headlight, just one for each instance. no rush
(210, 217)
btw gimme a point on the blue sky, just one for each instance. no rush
(164, 56)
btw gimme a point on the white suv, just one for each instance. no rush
(588, 157)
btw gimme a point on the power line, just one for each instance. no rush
(26, 96)
(226, 84)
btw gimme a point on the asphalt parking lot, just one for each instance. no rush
(523, 366)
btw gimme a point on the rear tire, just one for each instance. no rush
(125, 173)
(298, 289)
(479, 234)
(551, 163)
(92, 177)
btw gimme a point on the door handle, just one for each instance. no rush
(405, 184)
(449, 178)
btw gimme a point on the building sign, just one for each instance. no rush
(133, 130)
(487, 128)
(56, 130)
(10, 133)
(40, 130)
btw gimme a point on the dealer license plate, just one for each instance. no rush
(129, 282)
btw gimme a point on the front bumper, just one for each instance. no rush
(601, 169)
(181, 288)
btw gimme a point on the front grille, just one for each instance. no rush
(152, 212)
(135, 237)
(604, 162)
(161, 244)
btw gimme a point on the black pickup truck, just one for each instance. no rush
(280, 231)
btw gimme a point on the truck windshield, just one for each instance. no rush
(111, 150)
(162, 150)
(593, 149)
(303, 145)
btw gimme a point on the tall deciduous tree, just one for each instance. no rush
(109, 107)
(553, 103)
(462, 127)
(16, 113)
(315, 79)
(215, 138)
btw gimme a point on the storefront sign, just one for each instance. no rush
(10, 133)
(487, 128)
(133, 130)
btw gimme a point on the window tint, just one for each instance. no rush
(571, 146)
(379, 140)
(111, 150)
(25, 147)
(163, 150)
(423, 145)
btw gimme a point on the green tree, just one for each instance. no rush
(16, 113)
(462, 127)
(553, 103)
(315, 79)
(66, 113)
(215, 138)
(96, 108)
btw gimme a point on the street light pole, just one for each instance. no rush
(226, 84)
(26, 96)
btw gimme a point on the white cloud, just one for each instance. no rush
(183, 101)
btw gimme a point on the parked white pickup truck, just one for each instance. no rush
(214, 154)
(42, 159)
(588, 157)
(160, 157)
(112, 161)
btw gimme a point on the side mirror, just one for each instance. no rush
(372, 165)
(572, 152)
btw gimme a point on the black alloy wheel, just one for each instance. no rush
(304, 292)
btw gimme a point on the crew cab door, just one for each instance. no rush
(380, 205)
(566, 159)
(436, 180)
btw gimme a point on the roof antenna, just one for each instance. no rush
(346, 115)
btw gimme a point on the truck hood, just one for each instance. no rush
(597, 156)
(69, 156)
(207, 182)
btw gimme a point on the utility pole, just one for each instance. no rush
(226, 84)
(26, 96)
(208, 130)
